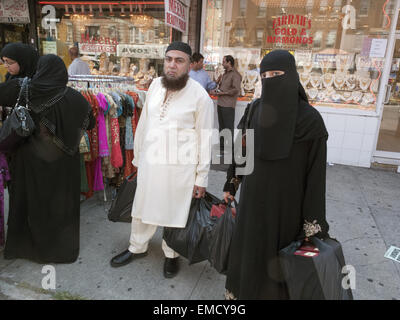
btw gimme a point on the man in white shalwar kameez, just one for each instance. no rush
(172, 151)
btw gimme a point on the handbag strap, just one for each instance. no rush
(24, 86)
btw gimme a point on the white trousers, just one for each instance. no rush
(141, 235)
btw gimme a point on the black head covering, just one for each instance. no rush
(50, 80)
(283, 116)
(26, 56)
(62, 110)
(180, 46)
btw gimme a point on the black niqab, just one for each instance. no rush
(281, 118)
(26, 56)
(286, 187)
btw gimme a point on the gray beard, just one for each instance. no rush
(174, 84)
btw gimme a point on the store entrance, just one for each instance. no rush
(389, 133)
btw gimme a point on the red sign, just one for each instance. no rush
(97, 44)
(291, 29)
(176, 15)
(98, 40)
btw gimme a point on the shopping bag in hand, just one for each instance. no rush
(217, 210)
(313, 271)
(121, 207)
(191, 242)
(220, 238)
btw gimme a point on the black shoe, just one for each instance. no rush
(171, 267)
(125, 257)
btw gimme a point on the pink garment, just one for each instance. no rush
(98, 176)
(103, 142)
(116, 153)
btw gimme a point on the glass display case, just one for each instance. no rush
(339, 46)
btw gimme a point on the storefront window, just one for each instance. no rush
(124, 39)
(339, 45)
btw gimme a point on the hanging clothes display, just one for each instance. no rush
(107, 149)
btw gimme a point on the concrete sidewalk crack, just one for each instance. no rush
(197, 282)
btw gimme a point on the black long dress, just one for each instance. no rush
(279, 196)
(44, 210)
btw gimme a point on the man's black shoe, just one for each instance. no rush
(125, 257)
(171, 267)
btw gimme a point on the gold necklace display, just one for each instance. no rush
(304, 79)
(315, 80)
(327, 79)
(351, 81)
(364, 83)
(307, 67)
(312, 93)
(356, 96)
(339, 80)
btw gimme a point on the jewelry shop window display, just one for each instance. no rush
(121, 39)
(339, 46)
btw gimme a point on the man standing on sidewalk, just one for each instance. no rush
(177, 117)
(228, 92)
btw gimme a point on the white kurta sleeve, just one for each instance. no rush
(204, 126)
(140, 131)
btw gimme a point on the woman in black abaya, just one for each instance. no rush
(20, 59)
(283, 199)
(43, 222)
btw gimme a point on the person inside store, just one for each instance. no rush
(19, 59)
(44, 205)
(228, 91)
(283, 199)
(198, 73)
(78, 66)
(176, 105)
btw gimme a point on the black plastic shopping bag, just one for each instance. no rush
(191, 242)
(220, 240)
(314, 271)
(121, 206)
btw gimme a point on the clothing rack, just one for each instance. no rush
(99, 78)
(109, 82)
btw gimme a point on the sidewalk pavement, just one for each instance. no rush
(363, 210)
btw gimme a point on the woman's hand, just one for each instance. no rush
(227, 195)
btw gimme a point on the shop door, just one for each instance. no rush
(388, 145)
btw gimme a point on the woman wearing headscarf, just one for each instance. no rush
(20, 60)
(283, 199)
(43, 223)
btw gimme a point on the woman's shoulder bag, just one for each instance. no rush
(19, 124)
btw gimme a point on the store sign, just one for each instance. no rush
(141, 51)
(177, 15)
(291, 29)
(14, 11)
(98, 40)
(86, 48)
(49, 47)
(95, 45)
